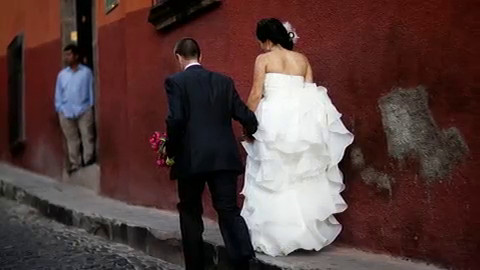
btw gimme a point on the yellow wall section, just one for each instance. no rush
(125, 6)
(12, 21)
(43, 22)
(114, 15)
(132, 6)
(38, 20)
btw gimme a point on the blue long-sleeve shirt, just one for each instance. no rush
(74, 91)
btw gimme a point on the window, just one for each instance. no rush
(16, 112)
(110, 5)
(157, 2)
(166, 13)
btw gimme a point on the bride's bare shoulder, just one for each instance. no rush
(265, 55)
(262, 58)
(300, 56)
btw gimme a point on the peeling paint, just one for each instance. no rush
(370, 175)
(412, 131)
(381, 180)
(358, 160)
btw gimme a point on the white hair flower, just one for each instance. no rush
(291, 31)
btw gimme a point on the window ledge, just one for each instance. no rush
(168, 13)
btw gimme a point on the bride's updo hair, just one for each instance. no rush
(272, 29)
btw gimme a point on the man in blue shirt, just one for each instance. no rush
(74, 100)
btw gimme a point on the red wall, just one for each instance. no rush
(44, 142)
(360, 50)
(43, 145)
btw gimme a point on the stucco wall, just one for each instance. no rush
(402, 72)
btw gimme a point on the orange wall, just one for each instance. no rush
(38, 20)
(120, 11)
(12, 21)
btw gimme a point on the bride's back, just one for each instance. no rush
(286, 62)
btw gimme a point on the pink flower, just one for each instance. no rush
(157, 142)
(160, 162)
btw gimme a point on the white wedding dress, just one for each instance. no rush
(292, 180)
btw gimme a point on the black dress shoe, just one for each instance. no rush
(72, 170)
(90, 162)
(244, 265)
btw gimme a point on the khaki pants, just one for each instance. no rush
(79, 134)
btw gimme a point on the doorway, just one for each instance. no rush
(85, 31)
(78, 27)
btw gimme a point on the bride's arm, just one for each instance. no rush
(309, 74)
(258, 80)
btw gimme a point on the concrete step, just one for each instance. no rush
(157, 232)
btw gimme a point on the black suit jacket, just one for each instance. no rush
(201, 107)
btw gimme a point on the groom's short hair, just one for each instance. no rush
(188, 48)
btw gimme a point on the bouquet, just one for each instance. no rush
(158, 144)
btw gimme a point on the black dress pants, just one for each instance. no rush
(223, 187)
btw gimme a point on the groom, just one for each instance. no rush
(201, 106)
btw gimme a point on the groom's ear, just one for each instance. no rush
(178, 57)
(200, 58)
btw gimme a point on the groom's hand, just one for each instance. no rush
(247, 137)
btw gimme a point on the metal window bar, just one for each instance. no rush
(158, 2)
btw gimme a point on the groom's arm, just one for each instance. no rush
(176, 117)
(242, 113)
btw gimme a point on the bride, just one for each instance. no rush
(292, 181)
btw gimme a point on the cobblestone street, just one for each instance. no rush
(29, 241)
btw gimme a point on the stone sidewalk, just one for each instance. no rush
(156, 232)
